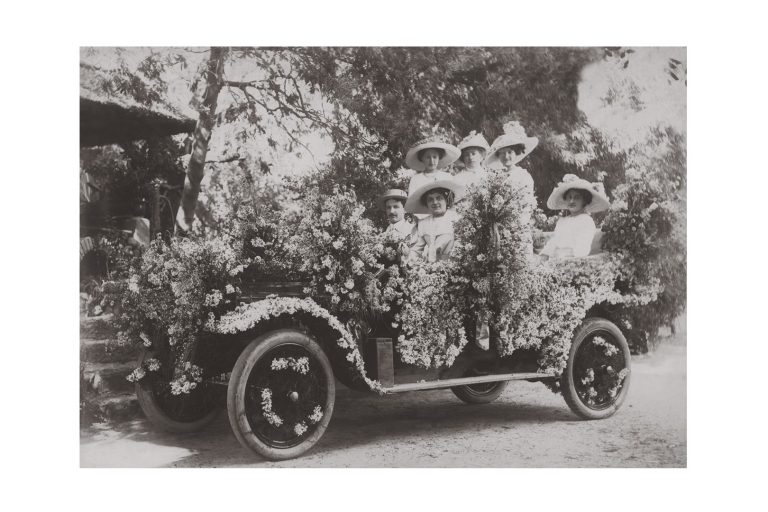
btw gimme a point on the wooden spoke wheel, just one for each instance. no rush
(281, 395)
(182, 413)
(596, 379)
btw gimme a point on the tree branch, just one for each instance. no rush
(226, 160)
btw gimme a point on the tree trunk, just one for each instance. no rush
(196, 166)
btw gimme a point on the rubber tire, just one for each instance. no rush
(467, 395)
(236, 393)
(589, 326)
(158, 417)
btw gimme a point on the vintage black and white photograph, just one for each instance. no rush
(383, 256)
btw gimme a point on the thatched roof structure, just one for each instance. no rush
(109, 118)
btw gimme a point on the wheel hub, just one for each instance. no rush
(293, 396)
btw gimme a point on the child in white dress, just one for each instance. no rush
(574, 233)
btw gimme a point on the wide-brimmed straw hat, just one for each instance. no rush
(514, 134)
(393, 193)
(414, 205)
(451, 153)
(474, 140)
(599, 201)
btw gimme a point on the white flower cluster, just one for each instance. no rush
(189, 379)
(300, 365)
(213, 298)
(145, 340)
(300, 428)
(136, 375)
(431, 317)
(266, 408)
(317, 415)
(608, 348)
(340, 249)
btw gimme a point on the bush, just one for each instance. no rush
(645, 227)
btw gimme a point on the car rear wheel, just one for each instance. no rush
(483, 393)
(178, 413)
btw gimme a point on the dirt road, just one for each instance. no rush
(528, 426)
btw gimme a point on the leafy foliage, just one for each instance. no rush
(126, 173)
(646, 227)
(389, 97)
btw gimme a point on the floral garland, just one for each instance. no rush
(247, 316)
(300, 365)
(432, 315)
(275, 420)
(493, 244)
(266, 408)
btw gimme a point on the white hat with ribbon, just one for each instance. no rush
(599, 200)
(450, 153)
(414, 204)
(514, 134)
(474, 140)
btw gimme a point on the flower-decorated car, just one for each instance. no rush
(348, 309)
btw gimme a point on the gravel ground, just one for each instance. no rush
(528, 426)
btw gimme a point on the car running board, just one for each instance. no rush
(449, 383)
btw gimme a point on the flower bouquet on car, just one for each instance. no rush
(342, 253)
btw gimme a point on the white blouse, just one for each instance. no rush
(572, 238)
(434, 237)
(403, 228)
(470, 178)
(521, 177)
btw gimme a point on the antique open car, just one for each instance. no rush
(276, 369)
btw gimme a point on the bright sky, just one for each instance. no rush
(608, 94)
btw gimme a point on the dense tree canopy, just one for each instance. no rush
(370, 104)
(399, 95)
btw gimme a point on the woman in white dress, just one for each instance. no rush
(474, 149)
(574, 233)
(434, 234)
(427, 157)
(509, 149)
